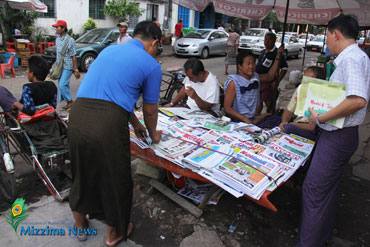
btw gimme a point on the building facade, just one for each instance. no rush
(77, 12)
(190, 18)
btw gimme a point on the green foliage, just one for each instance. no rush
(122, 9)
(90, 24)
(28, 30)
(20, 19)
(73, 35)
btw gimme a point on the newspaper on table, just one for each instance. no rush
(248, 173)
(186, 113)
(322, 96)
(230, 159)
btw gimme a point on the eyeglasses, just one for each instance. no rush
(253, 85)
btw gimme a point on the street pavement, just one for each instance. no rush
(48, 212)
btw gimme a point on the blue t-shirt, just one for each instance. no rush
(120, 74)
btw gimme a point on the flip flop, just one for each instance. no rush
(83, 237)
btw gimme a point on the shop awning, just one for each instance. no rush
(30, 5)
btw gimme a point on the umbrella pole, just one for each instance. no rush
(323, 45)
(305, 48)
(276, 93)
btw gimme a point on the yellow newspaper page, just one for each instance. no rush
(321, 96)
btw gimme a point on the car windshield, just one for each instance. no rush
(278, 39)
(94, 36)
(256, 33)
(318, 39)
(199, 34)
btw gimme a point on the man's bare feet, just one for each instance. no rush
(113, 238)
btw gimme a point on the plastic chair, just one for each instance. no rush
(31, 46)
(8, 66)
(42, 46)
(10, 47)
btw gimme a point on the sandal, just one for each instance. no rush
(81, 237)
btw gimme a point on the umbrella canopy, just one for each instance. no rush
(318, 12)
(30, 5)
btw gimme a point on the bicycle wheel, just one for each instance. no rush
(8, 185)
(173, 92)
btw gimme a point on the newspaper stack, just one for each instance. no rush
(230, 159)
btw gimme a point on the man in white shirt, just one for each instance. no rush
(334, 146)
(124, 37)
(201, 87)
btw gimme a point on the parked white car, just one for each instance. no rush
(316, 44)
(288, 34)
(292, 46)
(302, 38)
(252, 37)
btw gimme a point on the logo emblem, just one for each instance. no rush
(16, 214)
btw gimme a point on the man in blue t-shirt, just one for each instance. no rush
(98, 132)
(265, 62)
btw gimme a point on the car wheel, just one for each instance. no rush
(205, 53)
(86, 60)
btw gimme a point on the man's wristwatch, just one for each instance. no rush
(171, 104)
(76, 70)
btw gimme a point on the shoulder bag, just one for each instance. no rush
(56, 70)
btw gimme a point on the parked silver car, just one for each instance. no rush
(202, 42)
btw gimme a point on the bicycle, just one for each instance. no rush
(174, 84)
(8, 185)
(171, 85)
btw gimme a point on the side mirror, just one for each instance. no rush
(108, 42)
(211, 38)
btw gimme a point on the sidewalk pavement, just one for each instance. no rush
(53, 214)
(167, 51)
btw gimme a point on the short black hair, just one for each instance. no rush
(148, 30)
(272, 35)
(346, 24)
(241, 55)
(318, 71)
(39, 67)
(195, 65)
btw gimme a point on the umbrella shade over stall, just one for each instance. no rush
(317, 12)
(30, 5)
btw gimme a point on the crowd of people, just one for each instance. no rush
(102, 185)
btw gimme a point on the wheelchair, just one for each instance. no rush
(41, 144)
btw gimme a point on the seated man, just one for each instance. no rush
(201, 87)
(37, 92)
(300, 126)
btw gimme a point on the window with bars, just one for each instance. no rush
(51, 9)
(96, 9)
(151, 12)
